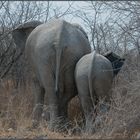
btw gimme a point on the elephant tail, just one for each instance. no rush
(90, 79)
(59, 48)
(57, 71)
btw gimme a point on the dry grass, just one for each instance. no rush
(121, 121)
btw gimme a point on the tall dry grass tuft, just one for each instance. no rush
(122, 120)
(15, 105)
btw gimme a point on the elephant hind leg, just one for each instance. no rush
(103, 91)
(86, 102)
(39, 101)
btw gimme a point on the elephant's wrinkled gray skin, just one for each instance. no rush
(54, 49)
(94, 76)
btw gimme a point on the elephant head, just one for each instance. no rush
(117, 61)
(21, 32)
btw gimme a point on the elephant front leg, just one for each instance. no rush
(39, 101)
(63, 111)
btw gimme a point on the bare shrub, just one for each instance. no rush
(15, 105)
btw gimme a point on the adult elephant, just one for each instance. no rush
(94, 75)
(53, 50)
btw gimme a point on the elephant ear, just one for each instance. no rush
(116, 61)
(81, 29)
(21, 32)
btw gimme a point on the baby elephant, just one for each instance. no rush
(94, 76)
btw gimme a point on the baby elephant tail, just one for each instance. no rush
(90, 78)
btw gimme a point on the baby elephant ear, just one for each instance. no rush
(21, 32)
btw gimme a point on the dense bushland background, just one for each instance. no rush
(110, 26)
